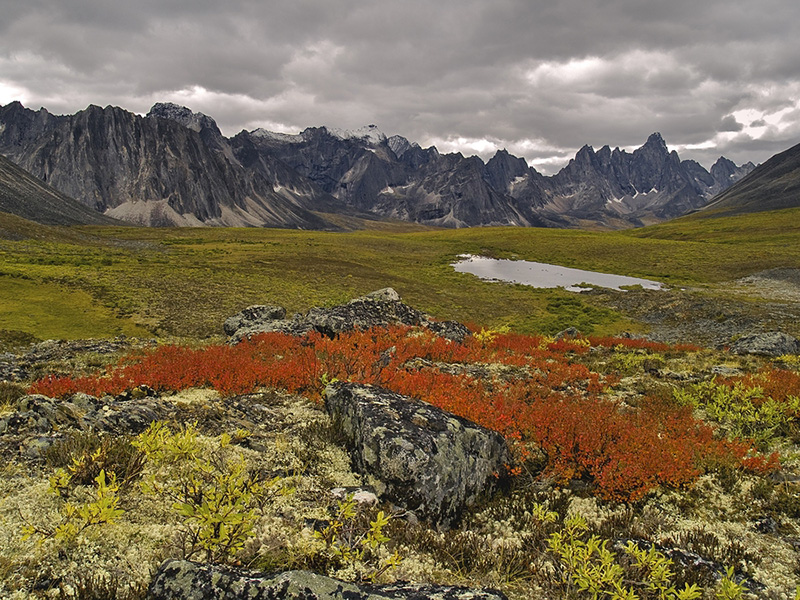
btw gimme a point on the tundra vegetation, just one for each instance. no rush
(640, 469)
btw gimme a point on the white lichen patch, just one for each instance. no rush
(195, 396)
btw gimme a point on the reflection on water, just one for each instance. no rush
(542, 275)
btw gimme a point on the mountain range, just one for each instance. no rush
(173, 167)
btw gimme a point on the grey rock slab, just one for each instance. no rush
(253, 315)
(380, 308)
(772, 343)
(184, 580)
(432, 462)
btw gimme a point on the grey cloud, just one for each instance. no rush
(426, 70)
(729, 123)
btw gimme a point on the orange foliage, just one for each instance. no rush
(778, 384)
(545, 399)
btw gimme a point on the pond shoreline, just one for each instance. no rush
(543, 275)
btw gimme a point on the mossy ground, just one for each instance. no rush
(185, 282)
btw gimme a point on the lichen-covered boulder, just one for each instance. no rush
(773, 343)
(432, 462)
(380, 308)
(33, 414)
(251, 316)
(184, 580)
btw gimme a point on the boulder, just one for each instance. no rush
(296, 326)
(184, 580)
(772, 343)
(432, 462)
(37, 414)
(372, 310)
(450, 330)
(251, 316)
(380, 308)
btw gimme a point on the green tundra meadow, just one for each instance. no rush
(182, 283)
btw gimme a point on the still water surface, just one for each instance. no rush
(542, 275)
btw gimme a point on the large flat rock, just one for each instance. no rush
(184, 580)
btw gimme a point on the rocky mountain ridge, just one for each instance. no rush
(148, 170)
(174, 167)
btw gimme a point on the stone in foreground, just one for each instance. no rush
(432, 462)
(772, 343)
(184, 580)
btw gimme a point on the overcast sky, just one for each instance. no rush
(539, 78)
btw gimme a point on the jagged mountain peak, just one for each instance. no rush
(127, 163)
(656, 139)
(185, 116)
(400, 145)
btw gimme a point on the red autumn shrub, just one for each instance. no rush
(546, 399)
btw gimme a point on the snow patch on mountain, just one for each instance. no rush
(290, 138)
(400, 145)
(368, 133)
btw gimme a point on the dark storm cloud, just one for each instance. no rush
(538, 78)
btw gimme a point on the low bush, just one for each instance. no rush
(553, 403)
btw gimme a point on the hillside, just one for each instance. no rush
(700, 486)
(24, 195)
(773, 185)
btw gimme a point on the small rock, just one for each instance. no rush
(361, 496)
(766, 525)
(569, 333)
(726, 371)
(450, 330)
(386, 294)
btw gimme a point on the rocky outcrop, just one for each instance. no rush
(772, 343)
(129, 414)
(377, 309)
(184, 580)
(431, 461)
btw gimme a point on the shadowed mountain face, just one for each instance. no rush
(148, 170)
(174, 167)
(773, 185)
(24, 195)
